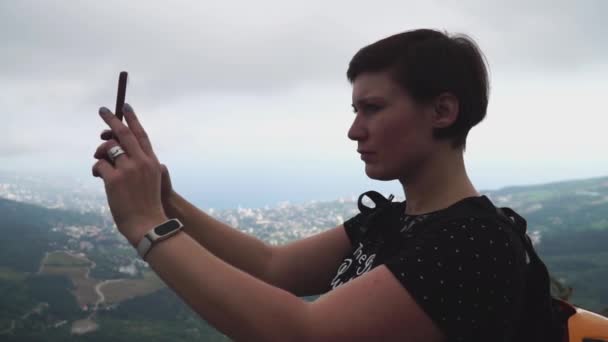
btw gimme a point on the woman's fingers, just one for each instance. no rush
(128, 141)
(101, 152)
(138, 130)
(107, 134)
(103, 169)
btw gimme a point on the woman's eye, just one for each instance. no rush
(367, 108)
(371, 108)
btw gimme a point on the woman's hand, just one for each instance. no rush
(166, 189)
(133, 181)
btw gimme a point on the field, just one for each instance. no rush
(63, 259)
(11, 275)
(118, 291)
(76, 268)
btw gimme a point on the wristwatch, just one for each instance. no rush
(157, 234)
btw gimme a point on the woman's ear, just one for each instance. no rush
(445, 110)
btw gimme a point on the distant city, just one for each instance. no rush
(275, 224)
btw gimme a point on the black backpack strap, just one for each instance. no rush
(379, 200)
(520, 226)
(543, 317)
(378, 214)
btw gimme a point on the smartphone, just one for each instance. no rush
(120, 95)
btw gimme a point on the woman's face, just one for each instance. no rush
(389, 125)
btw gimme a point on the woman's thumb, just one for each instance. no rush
(164, 170)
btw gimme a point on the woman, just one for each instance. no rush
(416, 95)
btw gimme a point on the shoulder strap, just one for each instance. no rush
(376, 197)
(375, 215)
(540, 321)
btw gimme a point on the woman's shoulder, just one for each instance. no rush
(473, 222)
(471, 211)
(474, 231)
(473, 215)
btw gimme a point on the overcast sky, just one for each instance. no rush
(248, 102)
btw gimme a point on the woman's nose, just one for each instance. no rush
(357, 130)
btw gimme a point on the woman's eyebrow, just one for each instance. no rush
(367, 99)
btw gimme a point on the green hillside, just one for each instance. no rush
(27, 232)
(570, 219)
(559, 207)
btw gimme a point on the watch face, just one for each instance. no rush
(166, 227)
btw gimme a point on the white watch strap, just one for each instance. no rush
(144, 246)
(151, 238)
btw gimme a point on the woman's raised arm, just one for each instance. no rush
(302, 267)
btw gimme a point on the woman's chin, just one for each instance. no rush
(374, 172)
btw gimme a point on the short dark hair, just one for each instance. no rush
(427, 63)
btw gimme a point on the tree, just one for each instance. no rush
(560, 290)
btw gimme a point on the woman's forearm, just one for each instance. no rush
(239, 249)
(234, 302)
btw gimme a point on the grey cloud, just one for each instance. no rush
(17, 148)
(539, 36)
(169, 51)
(178, 48)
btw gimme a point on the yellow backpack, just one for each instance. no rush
(582, 325)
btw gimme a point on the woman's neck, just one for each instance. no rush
(438, 184)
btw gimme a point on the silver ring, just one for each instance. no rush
(114, 152)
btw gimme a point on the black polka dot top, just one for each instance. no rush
(466, 274)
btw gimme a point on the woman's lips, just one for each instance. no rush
(366, 155)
